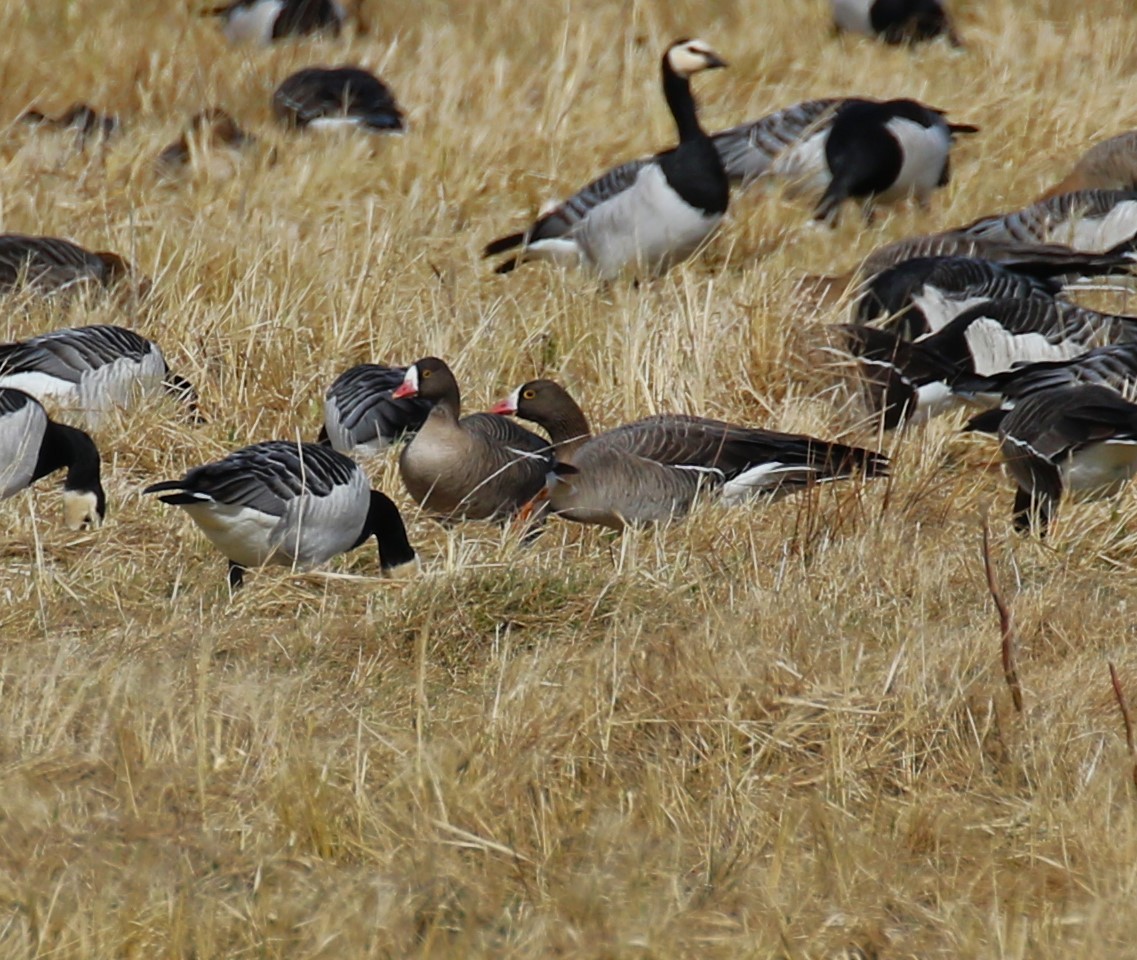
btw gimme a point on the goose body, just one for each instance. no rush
(81, 119)
(1108, 165)
(32, 446)
(52, 265)
(210, 143)
(648, 214)
(894, 21)
(327, 98)
(1094, 221)
(1081, 439)
(655, 469)
(480, 467)
(263, 21)
(361, 418)
(281, 502)
(90, 369)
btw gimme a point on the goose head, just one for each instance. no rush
(688, 57)
(429, 378)
(540, 401)
(84, 507)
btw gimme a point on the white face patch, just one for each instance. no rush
(410, 379)
(691, 57)
(79, 508)
(513, 400)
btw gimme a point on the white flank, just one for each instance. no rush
(995, 349)
(803, 166)
(43, 387)
(852, 15)
(934, 399)
(925, 151)
(563, 251)
(1098, 234)
(21, 434)
(940, 309)
(763, 478)
(335, 123)
(253, 24)
(1101, 469)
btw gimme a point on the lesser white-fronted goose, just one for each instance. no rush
(1093, 221)
(1109, 165)
(361, 418)
(654, 469)
(80, 118)
(32, 445)
(477, 467)
(52, 265)
(911, 381)
(895, 21)
(91, 369)
(326, 98)
(263, 21)
(1081, 439)
(209, 142)
(280, 502)
(648, 214)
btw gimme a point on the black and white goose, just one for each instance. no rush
(91, 369)
(1081, 439)
(332, 98)
(1094, 221)
(362, 418)
(649, 214)
(281, 502)
(32, 445)
(912, 381)
(53, 265)
(885, 151)
(895, 21)
(263, 21)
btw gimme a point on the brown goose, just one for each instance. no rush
(478, 467)
(1108, 165)
(654, 469)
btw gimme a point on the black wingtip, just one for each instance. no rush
(988, 421)
(163, 486)
(508, 267)
(963, 128)
(500, 245)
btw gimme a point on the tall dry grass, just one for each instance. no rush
(770, 732)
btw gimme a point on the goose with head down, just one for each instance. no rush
(654, 469)
(479, 467)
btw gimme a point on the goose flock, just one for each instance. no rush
(975, 316)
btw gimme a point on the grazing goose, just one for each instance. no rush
(912, 381)
(83, 120)
(883, 151)
(1093, 221)
(477, 467)
(654, 469)
(361, 418)
(1109, 165)
(1081, 439)
(263, 21)
(32, 446)
(648, 214)
(52, 265)
(90, 369)
(210, 142)
(328, 98)
(281, 502)
(895, 21)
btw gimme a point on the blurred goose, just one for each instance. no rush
(477, 467)
(1081, 439)
(1094, 221)
(80, 118)
(32, 445)
(361, 418)
(51, 265)
(884, 151)
(653, 470)
(1109, 165)
(281, 502)
(648, 214)
(895, 21)
(912, 381)
(263, 21)
(325, 98)
(90, 369)
(210, 142)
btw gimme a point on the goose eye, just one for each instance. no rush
(529, 394)
(424, 374)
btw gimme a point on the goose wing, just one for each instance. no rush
(748, 149)
(508, 433)
(1060, 215)
(359, 408)
(47, 261)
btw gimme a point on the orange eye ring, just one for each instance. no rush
(529, 394)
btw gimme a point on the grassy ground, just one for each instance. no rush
(770, 732)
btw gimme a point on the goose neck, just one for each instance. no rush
(677, 91)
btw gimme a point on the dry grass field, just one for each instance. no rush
(776, 731)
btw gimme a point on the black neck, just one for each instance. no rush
(385, 523)
(65, 446)
(677, 90)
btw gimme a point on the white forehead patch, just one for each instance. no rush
(410, 378)
(514, 399)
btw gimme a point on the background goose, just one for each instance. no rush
(477, 467)
(80, 118)
(319, 98)
(1109, 165)
(32, 446)
(208, 135)
(1094, 221)
(361, 418)
(895, 21)
(51, 265)
(297, 504)
(654, 469)
(883, 151)
(649, 214)
(937, 372)
(263, 21)
(1080, 438)
(90, 369)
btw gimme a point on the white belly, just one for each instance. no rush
(925, 151)
(1099, 234)
(253, 24)
(1101, 469)
(21, 434)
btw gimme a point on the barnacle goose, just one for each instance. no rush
(324, 98)
(281, 502)
(52, 265)
(1081, 439)
(263, 21)
(90, 369)
(32, 445)
(650, 213)
(883, 151)
(209, 142)
(895, 21)
(912, 381)
(361, 418)
(1094, 221)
